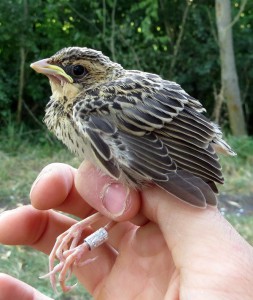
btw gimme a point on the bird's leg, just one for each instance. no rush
(69, 253)
(73, 256)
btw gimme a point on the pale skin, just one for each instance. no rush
(178, 252)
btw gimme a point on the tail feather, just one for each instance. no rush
(189, 188)
(219, 145)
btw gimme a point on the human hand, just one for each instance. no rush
(179, 252)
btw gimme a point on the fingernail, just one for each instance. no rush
(115, 199)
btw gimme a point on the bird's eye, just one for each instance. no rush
(79, 71)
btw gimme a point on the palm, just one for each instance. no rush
(145, 268)
(142, 269)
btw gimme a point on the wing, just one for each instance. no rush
(149, 157)
(100, 134)
(116, 150)
(152, 129)
(142, 159)
(146, 103)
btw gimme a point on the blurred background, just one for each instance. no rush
(205, 46)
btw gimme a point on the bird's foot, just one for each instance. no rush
(64, 267)
(69, 253)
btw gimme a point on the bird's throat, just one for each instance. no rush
(65, 92)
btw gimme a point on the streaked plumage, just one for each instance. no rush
(135, 126)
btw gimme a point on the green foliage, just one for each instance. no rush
(139, 35)
(15, 138)
(244, 148)
(238, 172)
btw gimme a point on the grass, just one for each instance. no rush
(24, 153)
(27, 265)
(19, 171)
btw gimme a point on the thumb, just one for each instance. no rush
(105, 195)
(190, 231)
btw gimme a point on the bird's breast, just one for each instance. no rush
(61, 123)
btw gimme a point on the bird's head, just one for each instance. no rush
(73, 70)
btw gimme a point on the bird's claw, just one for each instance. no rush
(68, 259)
(69, 253)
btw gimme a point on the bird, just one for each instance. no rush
(134, 126)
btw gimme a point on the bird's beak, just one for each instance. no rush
(43, 67)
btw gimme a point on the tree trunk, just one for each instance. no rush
(179, 39)
(22, 64)
(229, 78)
(112, 39)
(175, 45)
(21, 84)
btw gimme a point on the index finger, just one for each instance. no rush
(55, 188)
(26, 225)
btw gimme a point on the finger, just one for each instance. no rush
(28, 226)
(39, 229)
(54, 188)
(188, 229)
(109, 198)
(12, 288)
